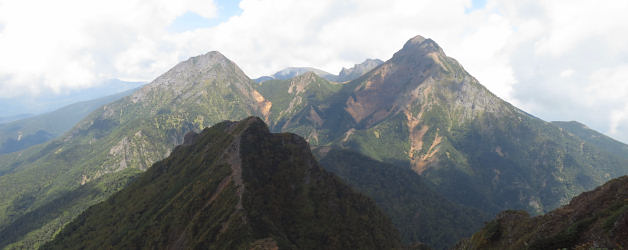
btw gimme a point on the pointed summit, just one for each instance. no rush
(418, 39)
(206, 60)
(417, 47)
(204, 66)
(211, 77)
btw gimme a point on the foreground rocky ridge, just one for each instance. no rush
(596, 219)
(234, 186)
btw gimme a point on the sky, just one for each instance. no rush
(558, 60)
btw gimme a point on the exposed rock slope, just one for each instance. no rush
(422, 110)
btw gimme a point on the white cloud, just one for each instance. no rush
(559, 60)
(569, 62)
(60, 45)
(567, 73)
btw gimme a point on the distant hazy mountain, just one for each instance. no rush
(593, 220)
(50, 101)
(344, 75)
(291, 72)
(234, 186)
(21, 134)
(11, 118)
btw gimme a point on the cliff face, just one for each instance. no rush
(595, 219)
(234, 186)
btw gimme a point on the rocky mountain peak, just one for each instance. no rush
(358, 69)
(415, 72)
(291, 72)
(190, 78)
(418, 47)
(416, 40)
(209, 63)
(208, 59)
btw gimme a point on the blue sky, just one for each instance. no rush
(190, 20)
(476, 5)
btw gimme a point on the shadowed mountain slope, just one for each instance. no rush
(234, 186)
(596, 219)
(420, 214)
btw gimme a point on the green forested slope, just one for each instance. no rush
(234, 186)
(595, 138)
(131, 133)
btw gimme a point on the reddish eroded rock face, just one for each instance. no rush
(378, 95)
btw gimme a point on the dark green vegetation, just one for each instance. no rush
(21, 134)
(420, 214)
(235, 186)
(420, 110)
(593, 220)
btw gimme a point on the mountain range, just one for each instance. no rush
(24, 133)
(10, 118)
(422, 110)
(23, 106)
(345, 74)
(432, 147)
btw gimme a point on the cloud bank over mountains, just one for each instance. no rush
(559, 60)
